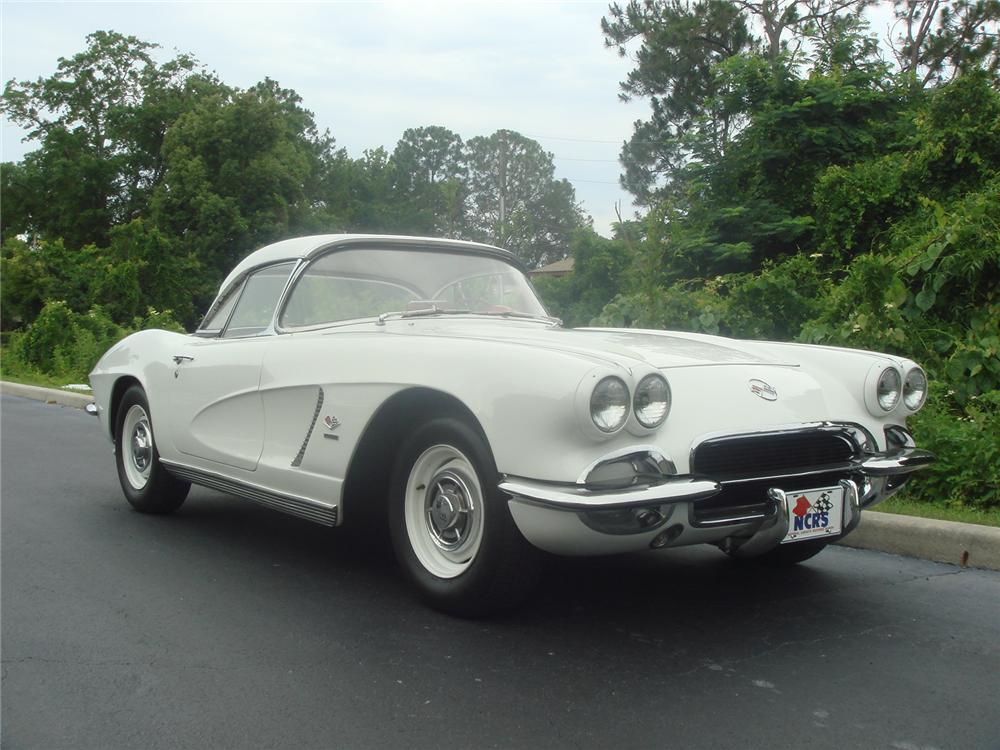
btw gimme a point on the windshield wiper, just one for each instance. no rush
(418, 312)
(526, 316)
(433, 309)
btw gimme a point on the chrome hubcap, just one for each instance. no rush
(449, 507)
(443, 510)
(142, 446)
(137, 446)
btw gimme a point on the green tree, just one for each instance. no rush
(368, 194)
(684, 63)
(241, 169)
(934, 41)
(679, 46)
(100, 120)
(515, 201)
(430, 180)
(599, 265)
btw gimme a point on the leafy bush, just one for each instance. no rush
(66, 345)
(966, 440)
(933, 294)
(773, 303)
(691, 306)
(600, 265)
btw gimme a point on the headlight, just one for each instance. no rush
(652, 401)
(915, 389)
(609, 404)
(887, 390)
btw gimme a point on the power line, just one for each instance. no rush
(558, 138)
(571, 158)
(628, 141)
(596, 182)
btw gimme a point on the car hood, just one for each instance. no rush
(662, 350)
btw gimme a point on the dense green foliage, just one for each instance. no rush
(831, 198)
(65, 344)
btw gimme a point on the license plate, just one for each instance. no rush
(814, 513)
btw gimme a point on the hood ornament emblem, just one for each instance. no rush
(762, 389)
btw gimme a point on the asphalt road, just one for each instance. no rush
(231, 626)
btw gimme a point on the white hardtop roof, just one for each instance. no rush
(306, 247)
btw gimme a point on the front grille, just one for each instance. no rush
(736, 460)
(745, 456)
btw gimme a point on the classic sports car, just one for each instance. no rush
(340, 373)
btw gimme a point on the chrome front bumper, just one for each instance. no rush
(679, 489)
(644, 514)
(581, 497)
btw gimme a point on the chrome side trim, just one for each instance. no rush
(574, 497)
(297, 461)
(296, 506)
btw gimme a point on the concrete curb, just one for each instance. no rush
(48, 395)
(965, 544)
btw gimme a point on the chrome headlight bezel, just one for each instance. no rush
(915, 383)
(888, 389)
(613, 402)
(881, 375)
(651, 380)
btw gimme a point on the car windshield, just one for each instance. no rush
(365, 283)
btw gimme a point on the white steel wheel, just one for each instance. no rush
(138, 446)
(450, 524)
(147, 486)
(444, 511)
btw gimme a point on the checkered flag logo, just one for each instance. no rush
(823, 504)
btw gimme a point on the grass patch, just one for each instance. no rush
(44, 381)
(30, 377)
(904, 506)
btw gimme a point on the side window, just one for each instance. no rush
(218, 319)
(256, 303)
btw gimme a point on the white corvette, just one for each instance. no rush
(424, 378)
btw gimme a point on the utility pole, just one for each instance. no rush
(502, 186)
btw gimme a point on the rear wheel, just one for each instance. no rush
(147, 486)
(451, 528)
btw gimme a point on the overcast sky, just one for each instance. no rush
(370, 70)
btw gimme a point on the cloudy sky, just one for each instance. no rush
(369, 70)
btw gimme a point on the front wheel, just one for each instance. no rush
(451, 528)
(147, 486)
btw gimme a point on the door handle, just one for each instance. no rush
(178, 358)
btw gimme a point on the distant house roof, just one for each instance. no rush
(559, 268)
